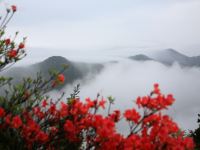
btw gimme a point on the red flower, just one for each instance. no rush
(14, 8)
(16, 122)
(32, 125)
(156, 88)
(37, 111)
(90, 103)
(7, 41)
(102, 103)
(115, 116)
(44, 103)
(132, 115)
(188, 142)
(169, 100)
(61, 78)
(63, 110)
(12, 53)
(21, 45)
(2, 112)
(42, 137)
(69, 126)
(152, 119)
(142, 102)
(52, 109)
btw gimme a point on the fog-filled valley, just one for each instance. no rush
(125, 79)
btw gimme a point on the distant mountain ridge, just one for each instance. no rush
(75, 70)
(168, 57)
(140, 57)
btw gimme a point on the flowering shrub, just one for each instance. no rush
(31, 120)
(10, 52)
(77, 125)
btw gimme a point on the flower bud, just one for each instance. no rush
(21, 45)
(14, 8)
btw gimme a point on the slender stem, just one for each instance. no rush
(4, 20)
(139, 123)
(8, 21)
(109, 107)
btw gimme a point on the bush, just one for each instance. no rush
(196, 134)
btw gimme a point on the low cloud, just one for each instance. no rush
(127, 80)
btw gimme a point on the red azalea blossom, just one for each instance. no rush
(14, 8)
(21, 45)
(69, 126)
(169, 100)
(102, 103)
(52, 109)
(61, 78)
(63, 110)
(42, 137)
(7, 41)
(2, 112)
(155, 118)
(132, 115)
(44, 103)
(90, 103)
(115, 116)
(12, 53)
(32, 125)
(37, 111)
(188, 142)
(16, 122)
(156, 89)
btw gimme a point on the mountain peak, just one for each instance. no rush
(140, 57)
(168, 57)
(57, 59)
(171, 51)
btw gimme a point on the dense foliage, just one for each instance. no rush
(196, 134)
(31, 120)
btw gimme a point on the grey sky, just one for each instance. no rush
(103, 24)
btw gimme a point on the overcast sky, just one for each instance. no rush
(108, 24)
